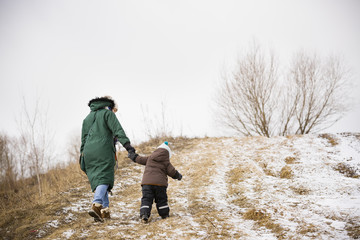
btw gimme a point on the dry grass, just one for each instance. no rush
(331, 138)
(53, 182)
(264, 219)
(234, 177)
(200, 179)
(292, 137)
(300, 190)
(353, 229)
(290, 160)
(286, 172)
(347, 170)
(268, 171)
(24, 211)
(175, 143)
(202, 207)
(238, 174)
(308, 230)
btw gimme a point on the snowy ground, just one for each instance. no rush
(298, 187)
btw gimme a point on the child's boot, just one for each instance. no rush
(95, 212)
(165, 216)
(144, 218)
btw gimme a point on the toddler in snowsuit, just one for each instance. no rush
(155, 181)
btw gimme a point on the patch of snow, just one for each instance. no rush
(53, 223)
(67, 234)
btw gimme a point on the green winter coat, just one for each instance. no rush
(97, 150)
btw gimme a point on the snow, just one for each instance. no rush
(315, 201)
(67, 234)
(329, 192)
(53, 223)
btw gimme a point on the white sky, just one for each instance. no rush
(147, 52)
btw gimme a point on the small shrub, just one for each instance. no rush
(331, 139)
(286, 172)
(264, 219)
(266, 170)
(357, 135)
(256, 215)
(353, 229)
(290, 160)
(308, 229)
(300, 190)
(347, 170)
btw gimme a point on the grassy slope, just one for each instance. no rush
(246, 188)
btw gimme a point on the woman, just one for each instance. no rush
(97, 158)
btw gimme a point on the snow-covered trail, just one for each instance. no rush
(236, 188)
(227, 217)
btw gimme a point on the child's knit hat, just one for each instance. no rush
(165, 145)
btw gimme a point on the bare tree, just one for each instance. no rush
(320, 91)
(7, 164)
(155, 127)
(247, 99)
(35, 140)
(74, 148)
(255, 100)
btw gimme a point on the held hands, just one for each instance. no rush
(129, 148)
(131, 151)
(132, 156)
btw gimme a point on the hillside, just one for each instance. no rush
(296, 187)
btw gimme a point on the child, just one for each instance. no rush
(155, 181)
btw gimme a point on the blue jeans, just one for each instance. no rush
(101, 195)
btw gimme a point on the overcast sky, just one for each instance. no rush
(145, 53)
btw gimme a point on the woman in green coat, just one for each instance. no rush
(97, 159)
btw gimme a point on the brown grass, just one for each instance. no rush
(290, 160)
(234, 177)
(347, 170)
(238, 174)
(175, 143)
(286, 172)
(268, 171)
(353, 229)
(300, 190)
(331, 139)
(291, 137)
(23, 211)
(307, 229)
(264, 219)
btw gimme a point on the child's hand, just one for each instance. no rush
(132, 156)
(179, 177)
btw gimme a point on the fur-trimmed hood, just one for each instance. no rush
(101, 102)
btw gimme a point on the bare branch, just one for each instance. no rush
(254, 101)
